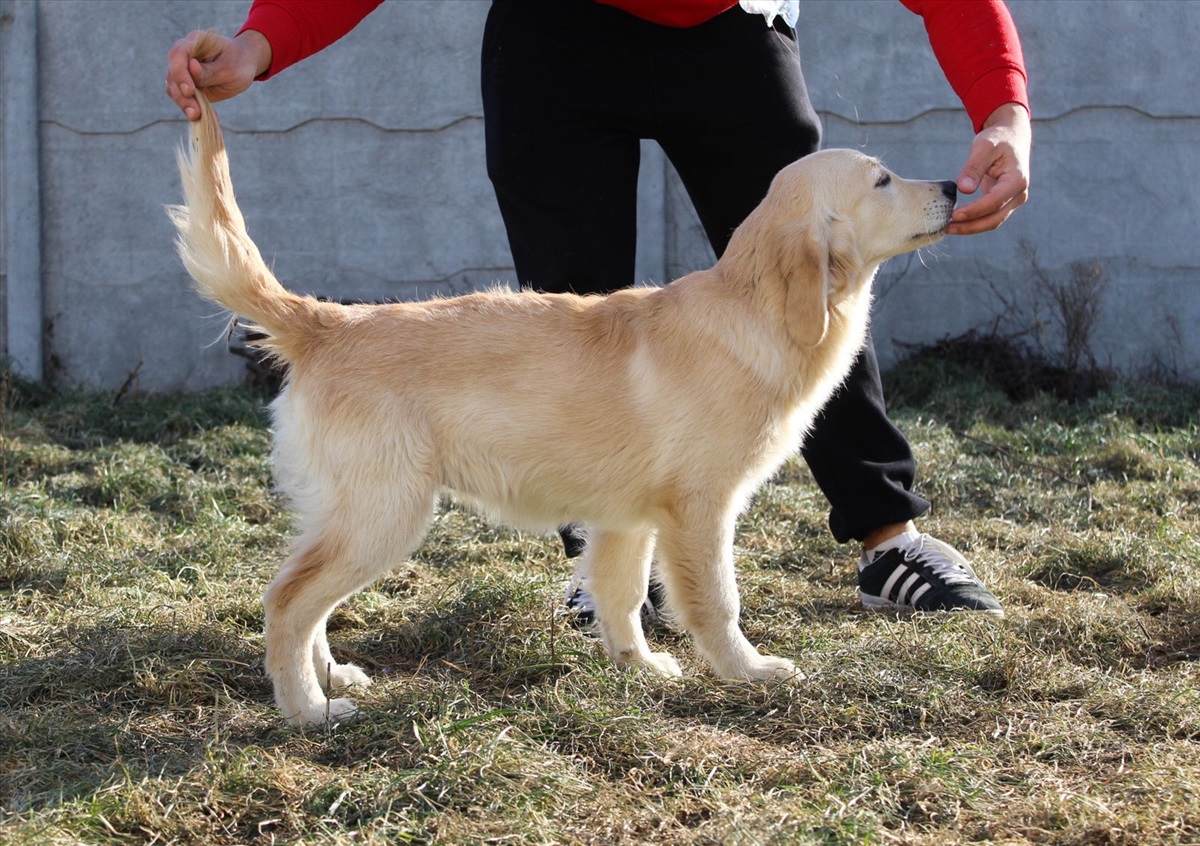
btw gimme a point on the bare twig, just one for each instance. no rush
(128, 383)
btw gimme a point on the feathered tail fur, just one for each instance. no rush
(217, 251)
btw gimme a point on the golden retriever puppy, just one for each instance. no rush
(652, 415)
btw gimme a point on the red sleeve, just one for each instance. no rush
(296, 29)
(976, 43)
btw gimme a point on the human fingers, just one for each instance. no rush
(997, 162)
(181, 86)
(1002, 195)
(220, 67)
(999, 170)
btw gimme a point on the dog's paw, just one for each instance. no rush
(659, 663)
(342, 676)
(329, 712)
(769, 668)
(339, 711)
(663, 664)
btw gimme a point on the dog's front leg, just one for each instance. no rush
(331, 675)
(618, 568)
(695, 554)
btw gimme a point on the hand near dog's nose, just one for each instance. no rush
(999, 164)
(220, 67)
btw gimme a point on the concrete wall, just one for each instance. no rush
(362, 173)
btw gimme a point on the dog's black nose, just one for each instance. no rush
(950, 190)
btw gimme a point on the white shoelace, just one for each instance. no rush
(941, 559)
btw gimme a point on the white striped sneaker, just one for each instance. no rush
(581, 607)
(922, 573)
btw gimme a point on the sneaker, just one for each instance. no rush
(580, 604)
(262, 371)
(921, 573)
(574, 539)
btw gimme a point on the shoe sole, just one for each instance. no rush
(874, 603)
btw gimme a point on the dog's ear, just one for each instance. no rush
(818, 263)
(807, 281)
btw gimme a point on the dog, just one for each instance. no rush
(651, 415)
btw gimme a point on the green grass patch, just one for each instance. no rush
(138, 533)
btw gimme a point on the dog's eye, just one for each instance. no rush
(884, 181)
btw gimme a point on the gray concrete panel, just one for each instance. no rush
(869, 60)
(362, 175)
(411, 65)
(21, 329)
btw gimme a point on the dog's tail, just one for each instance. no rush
(217, 251)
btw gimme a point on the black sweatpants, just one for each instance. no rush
(570, 87)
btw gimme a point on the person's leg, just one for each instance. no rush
(728, 134)
(563, 149)
(563, 120)
(874, 489)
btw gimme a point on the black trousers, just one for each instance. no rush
(570, 88)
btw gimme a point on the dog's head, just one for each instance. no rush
(829, 221)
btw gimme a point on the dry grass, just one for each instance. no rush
(136, 539)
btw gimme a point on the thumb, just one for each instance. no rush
(985, 154)
(979, 161)
(207, 45)
(208, 53)
(971, 175)
(206, 72)
(199, 72)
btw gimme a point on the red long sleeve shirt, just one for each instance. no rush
(974, 41)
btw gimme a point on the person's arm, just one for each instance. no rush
(276, 35)
(296, 29)
(977, 46)
(998, 162)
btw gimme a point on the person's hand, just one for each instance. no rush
(999, 164)
(220, 67)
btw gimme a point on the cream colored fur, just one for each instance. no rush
(651, 415)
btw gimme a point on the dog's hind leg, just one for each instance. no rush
(366, 535)
(618, 568)
(695, 562)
